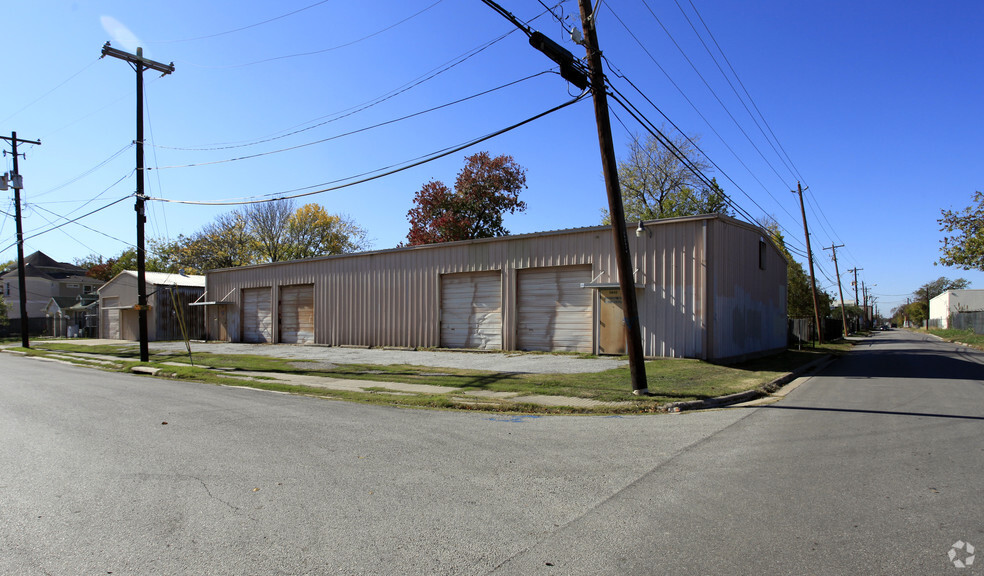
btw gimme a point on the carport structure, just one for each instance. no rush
(709, 287)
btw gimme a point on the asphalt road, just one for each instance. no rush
(872, 467)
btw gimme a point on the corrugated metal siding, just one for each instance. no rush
(393, 297)
(749, 302)
(471, 310)
(168, 327)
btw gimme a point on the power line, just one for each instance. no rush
(114, 202)
(745, 90)
(324, 50)
(43, 96)
(730, 84)
(357, 131)
(713, 93)
(241, 28)
(431, 74)
(422, 160)
(693, 106)
(87, 172)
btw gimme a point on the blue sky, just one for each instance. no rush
(875, 106)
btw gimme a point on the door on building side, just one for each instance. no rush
(296, 314)
(611, 326)
(554, 312)
(111, 318)
(257, 321)
(471, 310)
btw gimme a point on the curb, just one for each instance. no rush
(748, 395)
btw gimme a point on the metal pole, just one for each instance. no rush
(626, 277)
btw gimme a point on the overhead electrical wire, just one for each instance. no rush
(79, 224)
(697, 147)
(387, 171)
(43, 96)
(431, 74)
(692, 105)
(714, 93)
(733, 89)
(359, 130)
(76, 219)
(745, 90)
(241, 28)
(321, 51)
(87, 172)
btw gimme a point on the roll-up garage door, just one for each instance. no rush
(471, 310)
(111, 318)
(297, 314)
(554, 312)
(257, 323)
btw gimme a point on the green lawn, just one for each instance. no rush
(669, 379)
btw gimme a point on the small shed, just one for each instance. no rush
(118, 306)
(709, 287)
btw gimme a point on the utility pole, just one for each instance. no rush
(855, 284)
(139, 64)
(809, 257)
(626, 277)
(18, 182)
(833, 249)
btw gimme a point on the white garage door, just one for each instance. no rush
(257, 322)
(471, 310)
(554, 311)
(110, 318)
(297, 314)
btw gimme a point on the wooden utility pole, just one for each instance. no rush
(18, 182)
(855, 284)
(140, 64)
(840, 290)
(626, 277)
(809, 258)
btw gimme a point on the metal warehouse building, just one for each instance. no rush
(709, 287)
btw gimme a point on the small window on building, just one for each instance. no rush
(73, 285)
(87, 289)
(8, 289)
(761, 254)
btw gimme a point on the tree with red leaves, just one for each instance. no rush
(486, 188)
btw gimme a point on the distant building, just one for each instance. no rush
(118, 306)
(708, 287)
(943, 307)
(45, 279)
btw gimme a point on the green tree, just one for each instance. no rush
(963, 244)
(931, 290)
(799, 292)
(484, 191)
(656, 183)
(312, 231)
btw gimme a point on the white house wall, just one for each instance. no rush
(951, 302)
(393, 297)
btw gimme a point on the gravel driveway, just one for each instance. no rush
(493, 361)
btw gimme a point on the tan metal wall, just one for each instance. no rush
(393, 298)
(745, 297)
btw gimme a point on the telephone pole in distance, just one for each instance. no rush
(840, 290)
